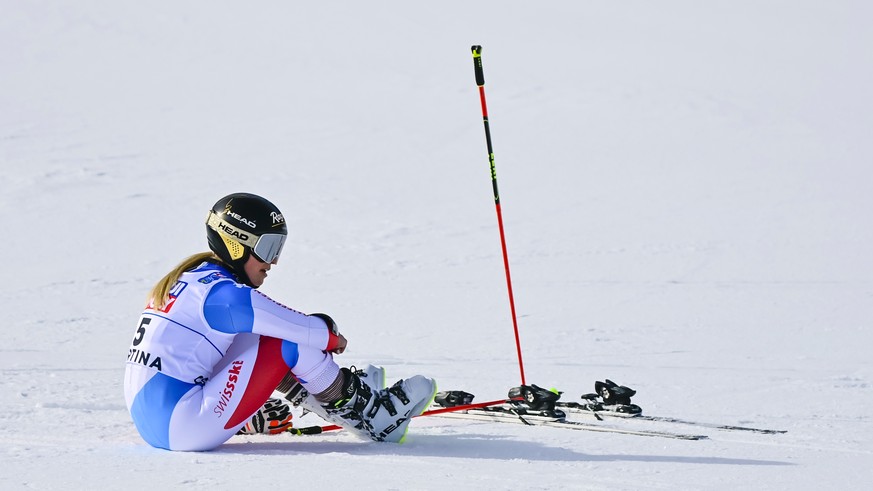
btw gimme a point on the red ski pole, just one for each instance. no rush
(480, 81)
(315, 430)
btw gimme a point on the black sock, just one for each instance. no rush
(335, 391)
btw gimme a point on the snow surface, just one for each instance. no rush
(686, 188)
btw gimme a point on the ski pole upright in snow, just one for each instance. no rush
(480, 81)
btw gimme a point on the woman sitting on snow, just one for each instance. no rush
(209, 349)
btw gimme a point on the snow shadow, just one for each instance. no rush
(677, 459)
(470, 446)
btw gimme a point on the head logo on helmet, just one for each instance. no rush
(234, 234)
(224, 227)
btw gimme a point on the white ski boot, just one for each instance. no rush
(382, 415)
(367, 407)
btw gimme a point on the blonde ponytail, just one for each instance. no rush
(160, 294)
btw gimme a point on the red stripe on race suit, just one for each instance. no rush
(268, 371)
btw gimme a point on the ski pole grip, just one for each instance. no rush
(477, 65)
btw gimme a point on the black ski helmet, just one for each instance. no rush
(242, 224)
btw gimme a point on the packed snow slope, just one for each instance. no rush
(686, 188)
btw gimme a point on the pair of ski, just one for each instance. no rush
(509, 411)
(530, 404)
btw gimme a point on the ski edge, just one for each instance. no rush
(577, 408)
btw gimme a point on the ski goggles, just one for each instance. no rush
(266, 247)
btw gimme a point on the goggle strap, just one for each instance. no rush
(228, 231)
